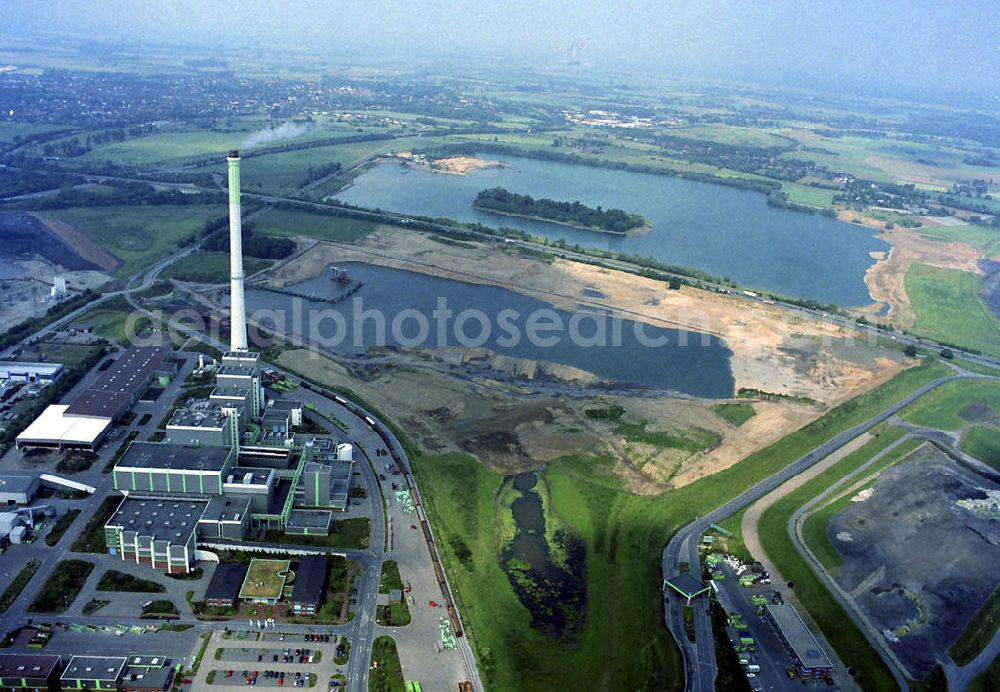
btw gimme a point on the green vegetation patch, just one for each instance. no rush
(62, 587)
(690, 440)
(287, 222)
(61, 526)
(385, 673)
(92, 538)
(949, 308)
(575, 214)
(112, 580)
(390, 578)
(15, 588)
(735, 414)
(978, 633)
(955, 405)
(983, 443)
(210, 267)
(349, 534)
(159, 608)
(139, 235)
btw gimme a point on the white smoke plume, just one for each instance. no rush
(274, 134)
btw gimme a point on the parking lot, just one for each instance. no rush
(272, 658)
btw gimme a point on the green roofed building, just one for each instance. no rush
(687, 585)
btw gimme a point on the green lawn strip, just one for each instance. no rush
(61, 526)
(983, 443)
(62, 587)
(113, 580)
(949, 308)
(92, 538)
(158, 608)
(385, 673)
(942, 408)
(814, 527)
(15, 588)
(733, 545)
(623, 644)
(390, 578)
(287, 222)
(988, 680)
(839, 629)
(348, 534)
(978, 633)
(736, 414)
(210, 267)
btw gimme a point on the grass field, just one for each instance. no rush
(978, 633)
(210, 267)
(70, 355)
(61, 526)
(949, 309)
(979, 236)
(736, 414)
(92, 538)
(292, 223)
(983, 443)
(113, 580)
(16, 586)
(814, 527)
(840, 631)
(941, 408)
(622, 644)
(386, 674)
(139, 235)
(62, 587)
(110, 323)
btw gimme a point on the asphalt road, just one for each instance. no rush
(699, 661)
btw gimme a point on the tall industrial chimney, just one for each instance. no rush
(237, 302)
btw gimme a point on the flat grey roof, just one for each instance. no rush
(124, 380)
(227, 580)
(17, 482)
(94, 668)
(226, 509)
(236, 370)
(171, 456)
(799, 638)
(199, 414)
(153, 678)
(260, 476)
(23, 366)
(230, 391)
(27, 665)
(310, 575)
(163, 520)
(284, 405)
(309, 519)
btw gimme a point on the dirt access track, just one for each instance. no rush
(773, 351)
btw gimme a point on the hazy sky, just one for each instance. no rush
(892, 45)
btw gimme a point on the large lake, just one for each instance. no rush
(722, 230)
(687, 362)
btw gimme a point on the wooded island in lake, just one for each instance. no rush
(575, 214)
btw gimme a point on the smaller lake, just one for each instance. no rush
(395, 307)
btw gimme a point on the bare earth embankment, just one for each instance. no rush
(773, 351)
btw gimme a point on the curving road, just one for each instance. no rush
(699, 661)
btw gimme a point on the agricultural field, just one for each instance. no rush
(955, 405)
(139, 235)
(210, 268)
(341, 229)
(949, 309)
